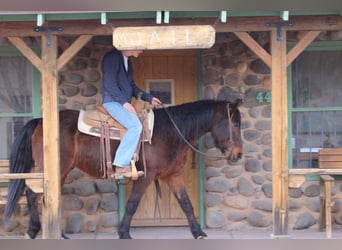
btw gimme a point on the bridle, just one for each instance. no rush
(230, 142)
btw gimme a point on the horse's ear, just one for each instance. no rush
(235, 104)
(239, 101)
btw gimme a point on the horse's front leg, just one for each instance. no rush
(185, 203)
(177, 186)
(137, 192)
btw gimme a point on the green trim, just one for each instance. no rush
(201, 208)
(78, 16)
(319, 46)
(316, 109)
(289, 118)
(13, 51)
(17, 17)
(122, 198)
(36, 94)
(16, 114)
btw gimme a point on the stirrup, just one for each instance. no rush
(127, 174)
(131, 172)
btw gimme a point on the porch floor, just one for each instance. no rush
(184, 233)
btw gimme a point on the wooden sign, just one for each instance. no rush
(164, 37)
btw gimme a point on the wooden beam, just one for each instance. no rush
(51, 218)
(37, 185)
(306, 171)
(279, 134)
(301, 45)
(295, 181)
(94, 27)
(9, 176)
(72, 50)
(26, 51)
(4, 163)
(255, 47)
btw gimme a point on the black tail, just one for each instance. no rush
(21, 161)
(158, 189)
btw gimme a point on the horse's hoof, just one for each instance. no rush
(201, 237)
(64, 237)
(28, 237)
(125, 237)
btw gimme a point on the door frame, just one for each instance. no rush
(201, 208)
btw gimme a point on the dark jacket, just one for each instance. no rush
(117, 84)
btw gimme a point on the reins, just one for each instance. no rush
(193, 147)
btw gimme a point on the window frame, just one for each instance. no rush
(36, 84)
(314, 46)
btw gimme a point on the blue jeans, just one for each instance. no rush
(130, 140)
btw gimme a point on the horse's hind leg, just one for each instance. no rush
(185, 203)
(34, 223)
(137, 192)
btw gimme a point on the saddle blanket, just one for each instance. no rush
(90, 122)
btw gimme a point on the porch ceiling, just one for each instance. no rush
(175, 5)
(8, 16)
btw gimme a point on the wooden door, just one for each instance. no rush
(179, 65)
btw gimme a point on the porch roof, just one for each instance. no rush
(8, 16)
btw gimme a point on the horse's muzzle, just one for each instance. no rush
(232, 157)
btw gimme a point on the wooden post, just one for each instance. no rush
(279, 133)
(52, 188)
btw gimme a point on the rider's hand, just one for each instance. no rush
(155, 102)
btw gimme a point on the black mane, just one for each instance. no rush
(191, 119)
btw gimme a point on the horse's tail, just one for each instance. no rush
(21, 161)
(158, 189)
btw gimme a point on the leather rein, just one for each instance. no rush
(226, 153)
(105, 145)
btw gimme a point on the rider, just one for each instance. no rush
(118, 88)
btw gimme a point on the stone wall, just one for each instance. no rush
(240, 196)
(236, 196)
(88, 204)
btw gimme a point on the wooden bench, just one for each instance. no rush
(329, 163)
(33, 180)
(328, 158)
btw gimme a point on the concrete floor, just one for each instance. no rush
(184, 233)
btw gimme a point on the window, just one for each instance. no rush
(162, 89)
(315, 102)
(19, 96)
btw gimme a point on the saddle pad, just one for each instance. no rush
(93, 128)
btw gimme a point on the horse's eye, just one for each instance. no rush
(236, 124)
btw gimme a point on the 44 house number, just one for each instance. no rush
(263, 97)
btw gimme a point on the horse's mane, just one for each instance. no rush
(191, 119)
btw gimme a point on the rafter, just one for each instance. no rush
(301, 45)
(72, 50)
(26, 51)
(255, 47)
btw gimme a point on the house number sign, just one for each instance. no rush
(263, 97)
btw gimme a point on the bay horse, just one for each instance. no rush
(176, 129)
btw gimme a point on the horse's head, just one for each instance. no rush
(226, 131)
